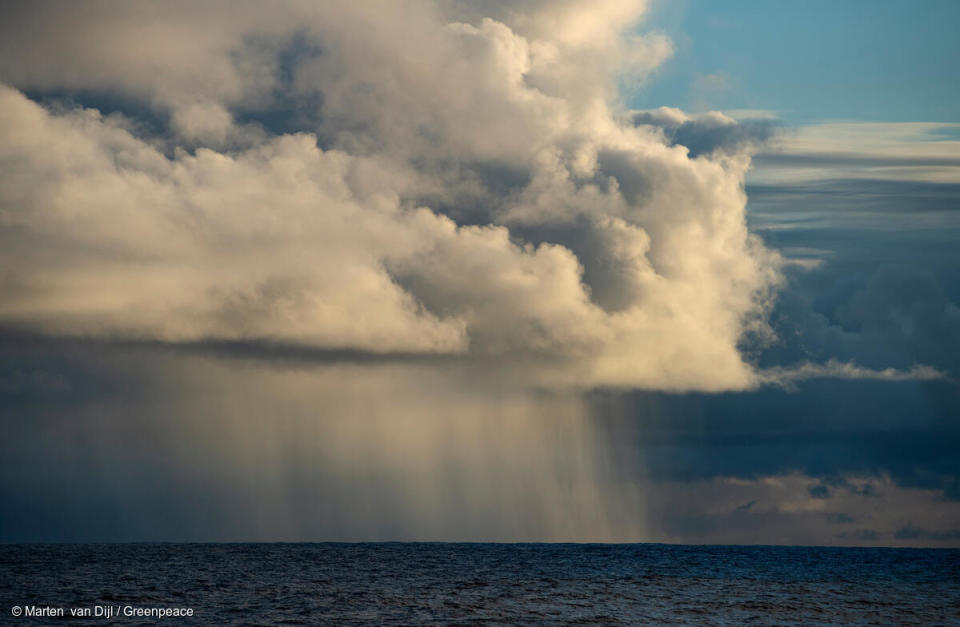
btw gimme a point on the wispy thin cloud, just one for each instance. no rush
(895, 151)
(787, 376)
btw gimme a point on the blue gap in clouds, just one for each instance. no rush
(879, 60)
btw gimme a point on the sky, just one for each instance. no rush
(878, 61)
(513, 271)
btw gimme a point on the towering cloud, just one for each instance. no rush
(343, 270)
(380, 177)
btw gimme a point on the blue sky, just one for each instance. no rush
(877, 60)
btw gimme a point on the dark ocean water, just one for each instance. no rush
(307, 584)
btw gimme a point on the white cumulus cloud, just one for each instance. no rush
(461, 182)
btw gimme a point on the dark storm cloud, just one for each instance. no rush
(824, 429)
(883, 289)
(886, 290)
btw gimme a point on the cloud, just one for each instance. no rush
(910, 532)
(356, 262)
(897, 315)
(872, 151)
(242, 449)
(826, 429)
(769, 508)
(833, 369)
(466, 186)
(709, 132)
(909, 308)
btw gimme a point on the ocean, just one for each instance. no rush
(427, 583)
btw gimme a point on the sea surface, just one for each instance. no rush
(413, 583)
